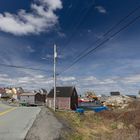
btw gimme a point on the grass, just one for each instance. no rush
(114, 125)
(84, 127)
(106, 125)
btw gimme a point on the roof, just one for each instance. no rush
(115, 93)
(132, 96)
(28, 94)
(61, 92)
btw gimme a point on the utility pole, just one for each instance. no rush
(55, 57)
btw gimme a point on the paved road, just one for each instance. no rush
(3, 107)
(15, 122)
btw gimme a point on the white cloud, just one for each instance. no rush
(61, 34)
(3, 75)
(35, 80)
(125, 84)
(90, 78)
(50, 56)
(30, 49)
(42, 18)
(93, 80)
(133, 79)
(67, 79)
(101, 9)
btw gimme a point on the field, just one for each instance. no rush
(106, 125)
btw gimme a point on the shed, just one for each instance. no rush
(32, 98)
(115, 93)
(66, 98)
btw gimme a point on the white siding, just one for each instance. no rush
(49, 102)
(28, 99)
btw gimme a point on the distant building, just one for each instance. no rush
(66, 98)
(32, 98)
(4, 95)
(132, 96)
(2, 92)
(115, 93)
(103, 98)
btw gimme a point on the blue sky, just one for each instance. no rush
(28, 30)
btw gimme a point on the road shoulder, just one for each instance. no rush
(45, 127)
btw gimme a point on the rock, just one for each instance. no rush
(131, 126)
(120, 125)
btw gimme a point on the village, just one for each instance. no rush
(109, 113)
(67, 98)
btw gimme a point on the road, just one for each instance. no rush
(16, 121)
(46, 127)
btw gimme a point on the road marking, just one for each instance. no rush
(7, 111)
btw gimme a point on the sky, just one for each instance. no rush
(29, 29)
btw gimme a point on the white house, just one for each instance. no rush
(32, 98)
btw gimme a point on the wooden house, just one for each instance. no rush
(32, 98)
(66, 98)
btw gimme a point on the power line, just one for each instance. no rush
(76, 27)
(106, 33)
(21, 67)
(109, 31)
(102, 43)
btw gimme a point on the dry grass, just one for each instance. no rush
(85, 127)
(106, 125)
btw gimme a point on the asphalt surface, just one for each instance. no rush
(3, 107)
(45, 127)
(16, 121)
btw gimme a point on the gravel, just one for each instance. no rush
(45, 127)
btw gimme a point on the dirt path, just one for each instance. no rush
(45, 127)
